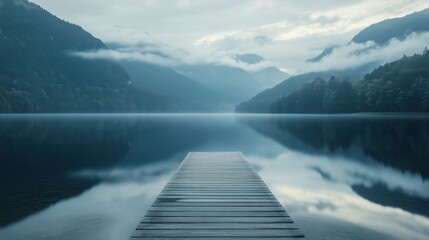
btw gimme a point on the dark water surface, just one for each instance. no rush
(94, 176)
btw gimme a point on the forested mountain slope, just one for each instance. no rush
(38, 73)
(400, 86)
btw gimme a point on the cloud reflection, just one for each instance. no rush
(325, 175)
(303, 194)
(134, 174)
(108, 211)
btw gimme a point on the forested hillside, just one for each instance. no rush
(400, 86)
(380, 33)
(39, 74)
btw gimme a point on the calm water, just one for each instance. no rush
(94, 176)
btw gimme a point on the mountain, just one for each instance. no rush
(318, 96)
(232, 84)
(327, 51)
(267, 76)
(400, 86)
(38, 73)
(183, 93)
(261, 103)
(249, 58)
(398, 28)
(380, 33)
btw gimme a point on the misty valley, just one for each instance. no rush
(104, 104)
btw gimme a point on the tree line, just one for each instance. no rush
(399, 86)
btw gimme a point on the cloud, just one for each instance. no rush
(165, 59)
(287, 32)
(261, 39)
(324, 174)
(354, 55)
(325, 20)
(140, 46)
(348, 56)
(120, 55)
(136, 174)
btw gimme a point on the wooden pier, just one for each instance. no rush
(216, 196)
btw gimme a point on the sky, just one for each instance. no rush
(285, 32)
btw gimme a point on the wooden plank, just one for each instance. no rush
(215, 204)
(213, 189)
(216, 238)
(216, 196)
(217, 220)
(218, 181)
(214, 192)
(191, 226)
(215, 201)
(199, 193)
(216, 188)
(214, 214)
(219, 226)
(216, 233)
(217, 209)
(220, 185)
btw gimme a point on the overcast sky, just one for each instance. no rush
(286, 32)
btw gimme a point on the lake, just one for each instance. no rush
(94, 176)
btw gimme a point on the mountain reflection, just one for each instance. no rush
(39, 152)
(381, 194)
(48, 158)
(399, 142)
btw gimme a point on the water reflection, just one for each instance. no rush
(37, 154)
(326, 208)
(400, 142)
(48, 158)
(105, 211)
(360, 169)
(398, 198)
(94, 176)
(40, 152)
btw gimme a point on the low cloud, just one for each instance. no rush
(355, 55)
(119, 55)
(145, 49)
(285, 43)
(285, 32)
(344, 57)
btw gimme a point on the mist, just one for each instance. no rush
(354, 55)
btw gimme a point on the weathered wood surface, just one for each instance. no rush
(216, 196)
